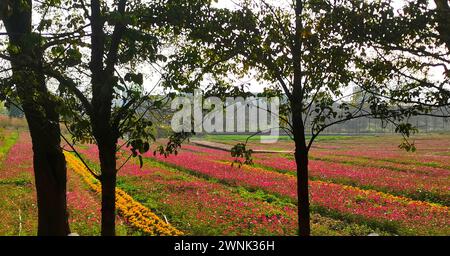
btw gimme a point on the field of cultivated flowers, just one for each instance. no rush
(18, 195)
(397, 213)
(358, 186)
(202, 206)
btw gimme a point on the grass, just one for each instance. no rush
(16, 181)
(233, 137)
(9, 138)
(326, 226)
(17, 200)
(19, 211)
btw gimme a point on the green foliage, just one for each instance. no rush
(341, 46)
(104, 98)
(173, 144)
(406, 129)
(135, 78)
(240, 151)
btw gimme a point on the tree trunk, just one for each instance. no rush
(108, 180)
(48, 159)
(43, 121)
(105, 132)
(50, 178)
(298, 127)
(108, 205)
(443, 19)
(301, 160)
(107, 142)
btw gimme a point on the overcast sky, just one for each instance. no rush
(152, 76)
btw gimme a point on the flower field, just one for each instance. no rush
(18, 195)
(199, 192)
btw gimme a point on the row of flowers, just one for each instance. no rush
(19, 154)
(431, 185)
(414, 217)
(414, 184)
(431, 150)
(433, 153)
(132, 211)
(17, 169)
(374, 158)
(249, 177)
(16, 189)
(346, 199)
(201, 207)
(417, 216)
(410, 165)
(83, 207)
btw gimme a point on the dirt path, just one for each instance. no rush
(225, 147)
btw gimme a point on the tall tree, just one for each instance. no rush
(104, 96)
(295, 48)
(39, 106)
(100, 118)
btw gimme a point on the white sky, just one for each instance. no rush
(257, 86)
(151, 76)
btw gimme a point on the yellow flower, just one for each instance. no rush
(135, 213)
